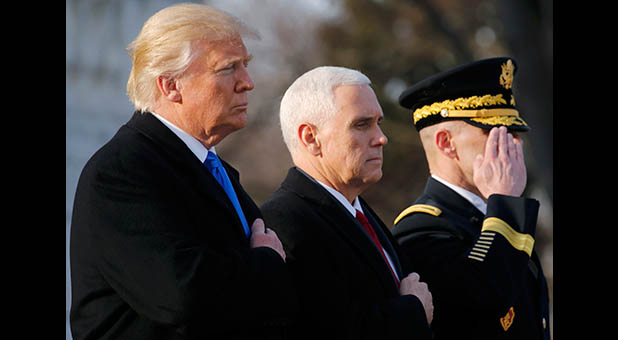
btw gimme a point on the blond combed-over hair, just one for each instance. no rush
(166, 46)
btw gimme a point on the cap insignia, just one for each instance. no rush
(506, 78)
(501, 120)
(457, 104)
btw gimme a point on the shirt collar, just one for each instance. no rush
(198, 149)
(351, 208)
(471, 197)
(339, 196)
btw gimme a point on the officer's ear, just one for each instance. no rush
(169, 88)
(307, 134)
(445, 143)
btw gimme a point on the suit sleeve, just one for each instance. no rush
(146, 238)
(491, 270)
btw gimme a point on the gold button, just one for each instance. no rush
(444, 113)
(544, 323)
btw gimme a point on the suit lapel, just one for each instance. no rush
(383, 234)
(338, 217)
(191, 168)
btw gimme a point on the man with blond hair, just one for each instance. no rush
(346, 266)
(165, 243)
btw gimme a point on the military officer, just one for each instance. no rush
(471, 234)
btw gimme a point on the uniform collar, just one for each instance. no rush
(469, 196)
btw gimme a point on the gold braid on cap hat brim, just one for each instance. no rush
(464, 108)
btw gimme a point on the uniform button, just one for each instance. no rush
(544, 323)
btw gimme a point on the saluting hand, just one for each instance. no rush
(264, 237)
(501, 170)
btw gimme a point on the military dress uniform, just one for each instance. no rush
(484, 275)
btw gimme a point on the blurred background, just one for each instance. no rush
(394, 42)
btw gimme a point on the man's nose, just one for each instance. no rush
(244, 82)
(382, 139)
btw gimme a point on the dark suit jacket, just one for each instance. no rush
(158, 251)
(344, 285)
(477, 277)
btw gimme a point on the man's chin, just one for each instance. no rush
(239, 122)
(374, 177)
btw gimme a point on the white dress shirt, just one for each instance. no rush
(352, 209)
(198, 149)
(471, 197)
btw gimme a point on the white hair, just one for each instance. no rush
(311, 99)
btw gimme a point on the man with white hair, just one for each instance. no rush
(346, 266)
(165, 243)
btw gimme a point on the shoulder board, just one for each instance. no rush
(424, 208)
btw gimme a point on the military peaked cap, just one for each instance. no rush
(480, 93)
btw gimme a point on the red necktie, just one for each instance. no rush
(372, 233)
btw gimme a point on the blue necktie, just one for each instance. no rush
(213, 164)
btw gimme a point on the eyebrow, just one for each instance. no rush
(245, 59)
(234, 59)
(367, 118)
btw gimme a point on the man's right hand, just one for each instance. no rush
(264, 237)
(501, 170)
(411, 285)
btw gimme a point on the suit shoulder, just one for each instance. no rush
(290, 217)
(279, 198)
(284, 207)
